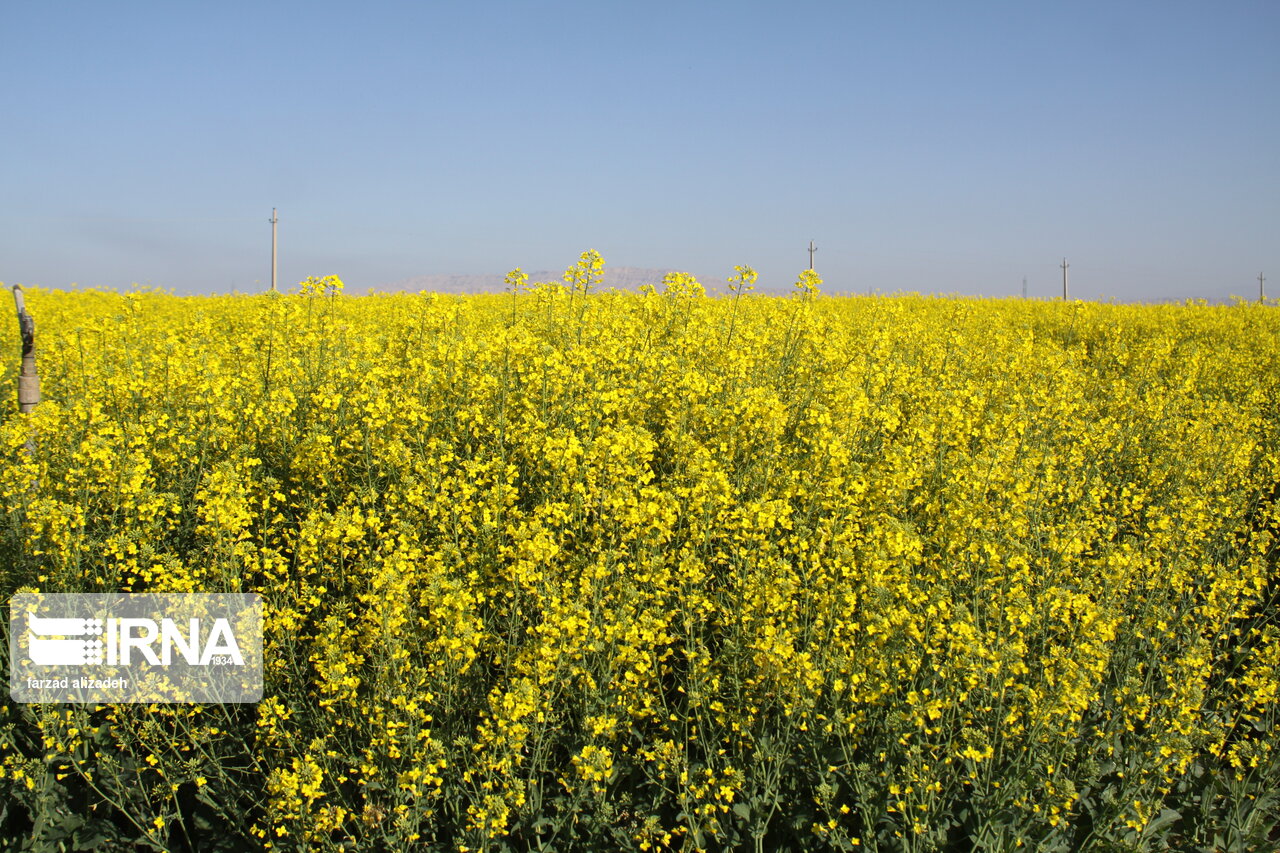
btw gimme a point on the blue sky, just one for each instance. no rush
(932, 146)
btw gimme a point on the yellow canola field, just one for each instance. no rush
(561, 569)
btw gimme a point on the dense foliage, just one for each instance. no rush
(562, 569)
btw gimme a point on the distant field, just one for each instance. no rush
(566, 570)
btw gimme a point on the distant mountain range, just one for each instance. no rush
(620, 278)
(633, 278)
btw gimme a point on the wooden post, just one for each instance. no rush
(28, 378)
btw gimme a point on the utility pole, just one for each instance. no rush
(1262, 294)
(1024, 287)
(812, 249)
(1064, 279)
(274, 220)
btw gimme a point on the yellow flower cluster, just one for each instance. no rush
(564, 568)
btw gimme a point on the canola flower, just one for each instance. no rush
(564, 569)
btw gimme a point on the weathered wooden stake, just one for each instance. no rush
(28, 378)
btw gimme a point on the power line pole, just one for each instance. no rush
(1262, 294)
(1064, 279)
(1024, 287)
(812, 249)
(274, 220)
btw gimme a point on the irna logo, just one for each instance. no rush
(59, 641)
(122, 647)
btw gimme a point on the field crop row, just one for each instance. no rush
(560, 569)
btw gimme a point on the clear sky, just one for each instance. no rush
(932, 146)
